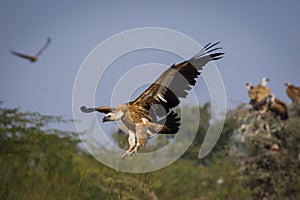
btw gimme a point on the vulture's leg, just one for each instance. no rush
(132, 144)
(141, 135)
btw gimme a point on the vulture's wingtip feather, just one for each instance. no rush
(86, 110)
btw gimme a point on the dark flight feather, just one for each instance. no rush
(176, 82)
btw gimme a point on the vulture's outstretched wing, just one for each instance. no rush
(22, 55)
(176, 81)
(101, 109)
(44, 47)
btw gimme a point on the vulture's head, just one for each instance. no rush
(272, 97)
(249, 85)
(265, 80)
(287, 84)
(112, 116)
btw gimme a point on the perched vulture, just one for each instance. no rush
(262, 92)
(156, 102)
(293, 92)
(251, 91)
(278, 107)
(36, 56)
(258, 95)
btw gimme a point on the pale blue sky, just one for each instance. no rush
(260, 38)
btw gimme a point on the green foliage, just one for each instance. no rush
(268, 173)
(190, 124)
(41, 162)
(32, 154)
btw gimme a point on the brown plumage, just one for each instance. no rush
(251, 91)
(141, 115)
(293, 92)
(262, 92)
(36, 56)
(258, 95)
(278, 107)
(252, 95)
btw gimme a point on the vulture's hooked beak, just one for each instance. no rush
(104, 119)
(108, 117)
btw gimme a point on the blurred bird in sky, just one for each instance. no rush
(36, 56)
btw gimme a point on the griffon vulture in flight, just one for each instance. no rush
(157, 101)
(36, 56)
(293, 92)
